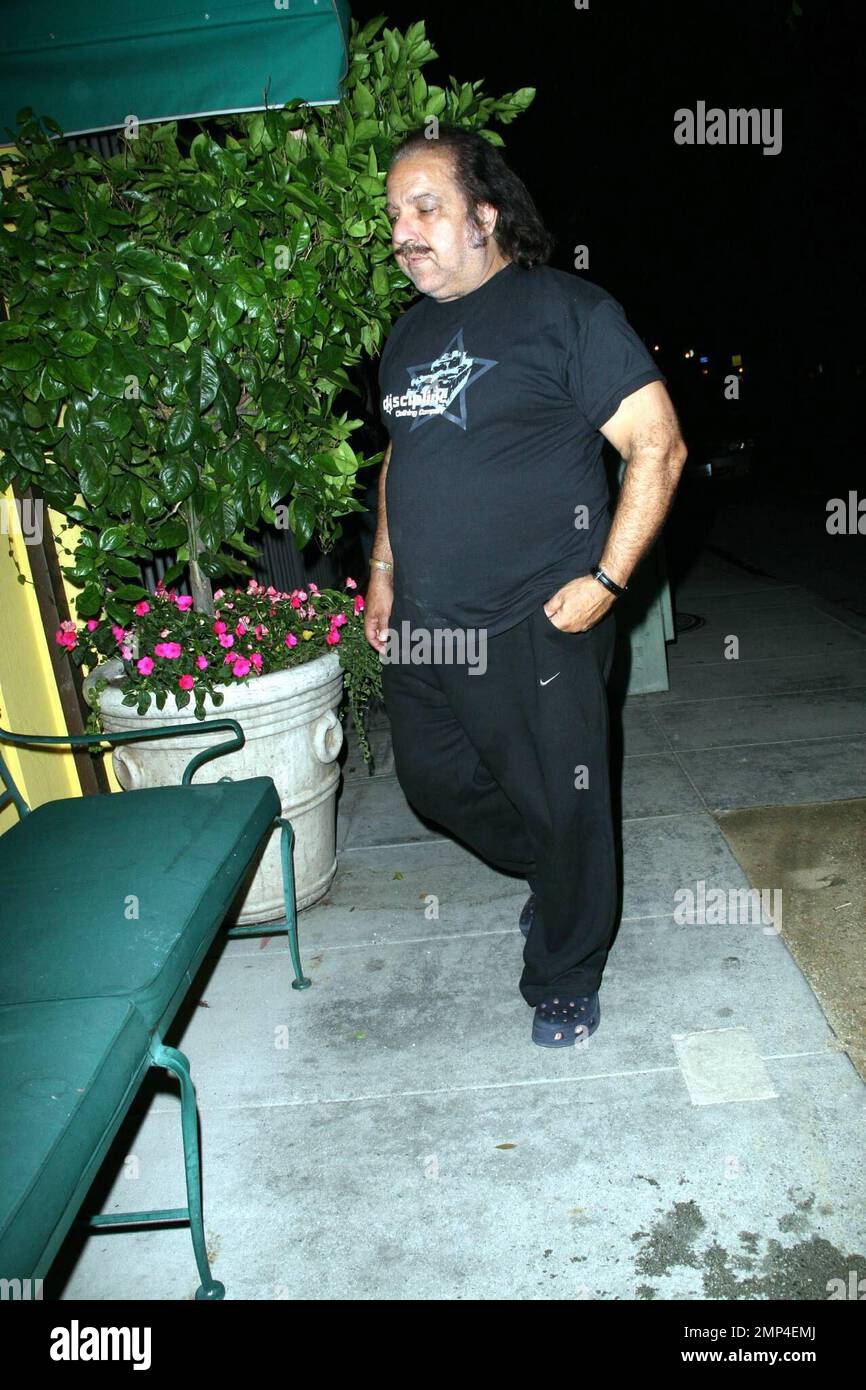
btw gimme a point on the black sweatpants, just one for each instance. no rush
(515, 762)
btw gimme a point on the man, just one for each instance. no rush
(498, 388)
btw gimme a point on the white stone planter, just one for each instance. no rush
(293, 735)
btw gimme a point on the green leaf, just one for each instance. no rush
(112, 537)
(226, 309)
(119, 420)
(175, 322)
(20, 357)
(381, 283)
(291, 346)
(89, 602)
(138, 267)
(302, 519)
(364, 101)
(93, 479)
(178, 477)
(201, 378)
(24, 448)
(131, 593)
(77, 342)
(121, 566)
(181, 428)
(171, 534)
(230, 387)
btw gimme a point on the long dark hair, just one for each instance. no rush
(484, 177)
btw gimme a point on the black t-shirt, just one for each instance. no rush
(496, 493)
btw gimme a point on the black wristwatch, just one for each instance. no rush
(605, 579)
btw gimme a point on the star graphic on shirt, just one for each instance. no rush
(453, 371)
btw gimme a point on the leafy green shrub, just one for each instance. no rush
(181, 318)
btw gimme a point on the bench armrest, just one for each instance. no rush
(130, 736)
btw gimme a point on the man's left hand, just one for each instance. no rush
(579, 605)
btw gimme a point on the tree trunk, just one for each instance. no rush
(202, 589)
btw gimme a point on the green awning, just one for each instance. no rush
(91, 63)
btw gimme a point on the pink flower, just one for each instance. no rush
(359, 604)
(333, 637)
(295, 600)
(338, 620)
(314, 588)
(291, 639)
(271, 590)
(92, 624)
(119, 634)
(241, 667)
(186, 682)
(226, 640)
(184, 602)
(141, 608)
(219, 627)
(66, 635)
(126, 653)
(241, 628)
(160, 585)
(145, 665)
(202, 662)
(260, 631)
(229, 658)
(350, 584)
(256, 660)
(164, 632)
(218, 593)
(170, 650)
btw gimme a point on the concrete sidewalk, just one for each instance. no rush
(392, 1132)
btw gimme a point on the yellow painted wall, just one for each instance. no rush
(29, 700)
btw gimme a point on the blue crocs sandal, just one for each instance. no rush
(527, 916)
(564, 1022)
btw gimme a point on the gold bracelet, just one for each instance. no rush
(382, 564)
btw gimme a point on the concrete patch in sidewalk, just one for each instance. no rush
(723, 1065)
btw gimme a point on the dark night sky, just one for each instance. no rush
(714, 246)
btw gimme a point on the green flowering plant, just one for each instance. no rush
(183, 316)
(172, 648)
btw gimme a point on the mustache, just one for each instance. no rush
(410, 249)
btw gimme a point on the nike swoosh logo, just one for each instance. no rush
(547, 682)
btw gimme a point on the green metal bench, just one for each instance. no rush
(109, 905)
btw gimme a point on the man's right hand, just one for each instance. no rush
(378, 602)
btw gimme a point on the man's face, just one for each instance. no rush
(436, 245)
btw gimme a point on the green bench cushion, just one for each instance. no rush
(75, 872)
(68, 1073)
